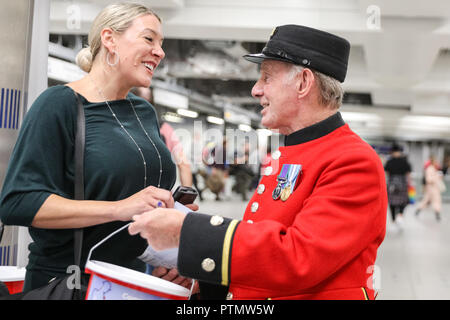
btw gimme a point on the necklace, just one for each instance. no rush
(132, 139)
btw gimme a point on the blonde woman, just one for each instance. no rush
(127, 167)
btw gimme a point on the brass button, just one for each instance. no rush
(268, 171)
(229, 296)
(208, 265)
(254, 207)
(250, 221)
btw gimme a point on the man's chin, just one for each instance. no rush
(269, 126)
(273, 128)
(265, 123)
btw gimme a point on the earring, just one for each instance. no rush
(116, 61)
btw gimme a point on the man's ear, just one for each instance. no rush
(305, 82)
(108, 39)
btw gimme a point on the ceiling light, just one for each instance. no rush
(187, 113)
(425, 121)
(359, 116)
(245, 128)
(172, 117)
(215, 120)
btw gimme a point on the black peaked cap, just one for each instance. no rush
(308, 47)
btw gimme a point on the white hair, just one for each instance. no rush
(330, 89)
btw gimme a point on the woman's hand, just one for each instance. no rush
(143, 201)
(60, 213)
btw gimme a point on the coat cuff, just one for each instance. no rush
(205, 248)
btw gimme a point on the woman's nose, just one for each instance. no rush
(159, 52)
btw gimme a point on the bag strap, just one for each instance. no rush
(79, 174)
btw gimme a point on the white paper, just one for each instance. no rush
(181, 207)
(164, 258)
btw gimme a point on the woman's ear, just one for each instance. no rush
(305, 82)
(108, 39)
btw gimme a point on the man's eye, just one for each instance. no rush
(149, 39)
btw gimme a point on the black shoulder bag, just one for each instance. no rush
(67, 288)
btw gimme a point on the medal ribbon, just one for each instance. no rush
(294, 170)
(282, 177)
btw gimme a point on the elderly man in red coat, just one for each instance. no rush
(314, 224)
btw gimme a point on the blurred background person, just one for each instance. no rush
(265, 162)
(398, 169)
(446, 166)
(434, 185)
(242, 172)
(217, 172)
(175, 147)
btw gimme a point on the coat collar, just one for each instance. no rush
(315, 131)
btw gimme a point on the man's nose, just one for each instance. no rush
(257, 91)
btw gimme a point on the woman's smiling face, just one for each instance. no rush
(140, 50)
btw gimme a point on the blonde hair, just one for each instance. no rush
(330, 89)
(119, 18)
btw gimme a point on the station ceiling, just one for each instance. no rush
(398, 82)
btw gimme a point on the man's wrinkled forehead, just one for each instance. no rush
(270, 66)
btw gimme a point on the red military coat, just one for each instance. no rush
(321, 243)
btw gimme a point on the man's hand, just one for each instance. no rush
(192, 206)
(172, 275)
(160, 227)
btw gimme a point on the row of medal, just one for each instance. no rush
(287, 180)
